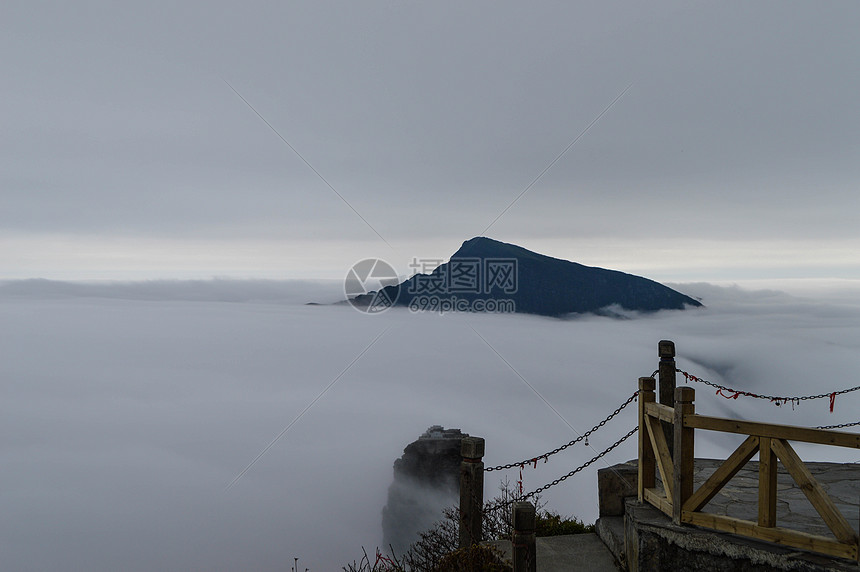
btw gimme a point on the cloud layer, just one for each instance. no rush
(125, 417)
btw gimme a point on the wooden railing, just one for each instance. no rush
(684, 505)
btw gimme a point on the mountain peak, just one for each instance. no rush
(483, 247)
(488, 275)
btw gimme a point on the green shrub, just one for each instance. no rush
(475, 558)
(436, 548)
(548, 523)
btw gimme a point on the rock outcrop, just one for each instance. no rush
(426, 480)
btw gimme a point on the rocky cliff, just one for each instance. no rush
(426, 480)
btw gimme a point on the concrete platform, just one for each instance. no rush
(585, 552)
(643, 538)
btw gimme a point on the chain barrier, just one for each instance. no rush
(507, 503)
(840, 426)
(583, 466)
(731, 393)
(583, 437)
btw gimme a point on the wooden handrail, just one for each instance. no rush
(660, 411)
(774, 431)
(683, 504)
(777, 535)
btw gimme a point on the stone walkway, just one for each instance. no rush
(653, 539)
(739, 498)
(571, 553)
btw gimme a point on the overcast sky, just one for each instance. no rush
(126, 153)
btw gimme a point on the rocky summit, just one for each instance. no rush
(426, 480)
(488, 275)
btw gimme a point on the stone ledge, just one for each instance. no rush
(614, 484)
(649, 541)
(652, 542)
(610, 529)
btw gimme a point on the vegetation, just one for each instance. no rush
(483, 558)
(549, 523)
(475, 558)
(436, 549)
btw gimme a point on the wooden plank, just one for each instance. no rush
(658, 500)
(837, 523)
(771, 534)
(664, 460)
(662, 412)
(684, 451)
(723, 474)
(766, 484)
(786, 432)
(647, 460)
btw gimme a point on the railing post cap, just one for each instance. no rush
(472, 447)
(647, 383)
(523, 515)
(666, 349)
(685, 394)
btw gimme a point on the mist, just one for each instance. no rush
(135, 414)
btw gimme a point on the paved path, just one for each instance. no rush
(570, 553)
(739, 498)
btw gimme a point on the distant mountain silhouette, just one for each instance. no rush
(489, 275)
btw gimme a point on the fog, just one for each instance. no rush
(132, 414)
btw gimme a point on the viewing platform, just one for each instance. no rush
(641, 537)
(668, 510)
(637, 537)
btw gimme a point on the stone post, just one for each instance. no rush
(666, 351)
(471, 491)
(523, 538)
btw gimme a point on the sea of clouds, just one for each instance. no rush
(134, 415)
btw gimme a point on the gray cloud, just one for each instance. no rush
(129, 408)
(429, 120)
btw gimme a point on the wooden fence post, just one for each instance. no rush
(523, 538)
(471, 490)
(647, 463)
(766, 483)
(666, 370)
(682, 486)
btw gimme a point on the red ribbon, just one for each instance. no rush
(520, 482)
(832, 401)
(734, 394)
(381, 558)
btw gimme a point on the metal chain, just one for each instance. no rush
(502, 504)
(840, 426)
(567, 476)
(776, 399)
(582, 437)
(562, 478)
(583, 466)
